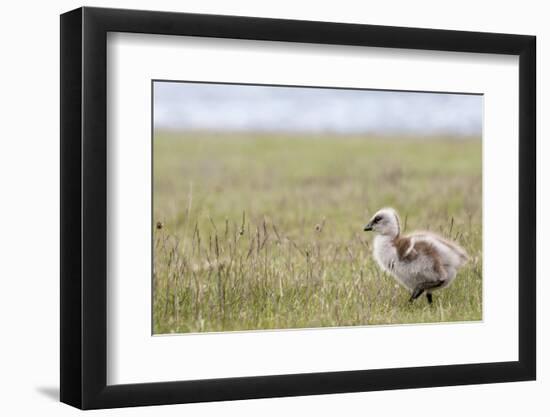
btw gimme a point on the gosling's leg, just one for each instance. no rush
(420, 288)
(429, 297)
(416, 293)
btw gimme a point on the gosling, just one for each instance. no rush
(421, 262)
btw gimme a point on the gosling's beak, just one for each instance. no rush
(368, 227)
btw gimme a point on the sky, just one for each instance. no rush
(254, 108)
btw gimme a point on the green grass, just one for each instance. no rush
(265, 232)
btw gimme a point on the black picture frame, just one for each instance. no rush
(84, 207)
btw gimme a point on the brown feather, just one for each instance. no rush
(402, 245)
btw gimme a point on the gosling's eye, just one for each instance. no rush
(377, 219)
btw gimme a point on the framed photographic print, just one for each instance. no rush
(257, 207)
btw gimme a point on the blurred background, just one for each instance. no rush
(223, 107)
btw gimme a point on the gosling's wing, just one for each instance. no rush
(418, 259)
(449, 251)
(405, 247)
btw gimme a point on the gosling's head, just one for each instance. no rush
(384, 222)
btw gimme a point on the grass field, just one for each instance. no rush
(266, 232)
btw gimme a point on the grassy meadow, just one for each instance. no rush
(266, 231)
